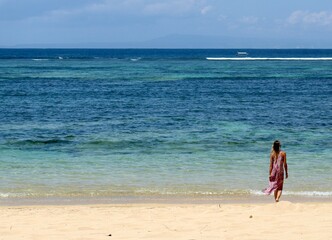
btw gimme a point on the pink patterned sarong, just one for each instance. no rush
(277, 175)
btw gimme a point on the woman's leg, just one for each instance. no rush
(278, 195)
(275, 195)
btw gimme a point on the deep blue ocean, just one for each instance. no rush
(162, 122)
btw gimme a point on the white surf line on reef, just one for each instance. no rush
(267, 59)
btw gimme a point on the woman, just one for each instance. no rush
(277, 165)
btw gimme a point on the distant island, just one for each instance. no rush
(192, 42)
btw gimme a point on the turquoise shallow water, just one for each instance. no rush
(115, 123)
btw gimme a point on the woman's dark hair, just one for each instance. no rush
(276, 146)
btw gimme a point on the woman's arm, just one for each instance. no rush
(286, 167)
(271, 165)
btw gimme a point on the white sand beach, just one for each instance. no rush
(283, 220)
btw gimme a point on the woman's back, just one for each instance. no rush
(278, 163)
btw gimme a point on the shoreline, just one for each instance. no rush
(171, 200)
(168, 221)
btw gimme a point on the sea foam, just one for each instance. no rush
(269, 59)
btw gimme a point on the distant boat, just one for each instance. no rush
(242, 54)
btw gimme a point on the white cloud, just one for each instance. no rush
(129, 7)
(113, 5)
(206, 9)
(249, 20)
(222, 18)
(174, 7)
(305, 17)
(106, 6)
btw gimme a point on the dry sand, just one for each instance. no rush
(283, 220)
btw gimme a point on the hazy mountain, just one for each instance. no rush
(195, 41)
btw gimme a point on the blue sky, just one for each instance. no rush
(294, 23)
